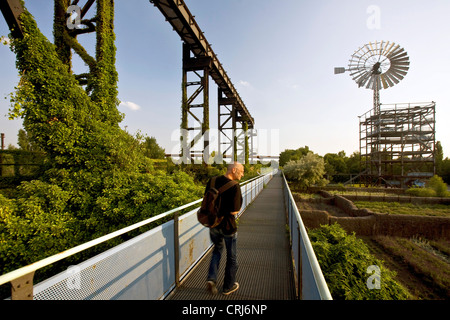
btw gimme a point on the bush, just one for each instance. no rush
(421, 192)
(345, 260)
(438, 185)
(307, 171)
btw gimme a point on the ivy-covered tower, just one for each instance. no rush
(70, 21)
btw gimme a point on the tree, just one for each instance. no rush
(289, 154)
(438, 157)
(25, 142)
(307, 171)
(152, 149)
(335, 163)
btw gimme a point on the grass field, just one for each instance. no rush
(438, 210)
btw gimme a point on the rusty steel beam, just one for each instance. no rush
(11, 10)
(178, 15)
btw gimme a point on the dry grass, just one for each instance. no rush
(432, 268)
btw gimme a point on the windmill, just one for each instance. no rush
(376, 66)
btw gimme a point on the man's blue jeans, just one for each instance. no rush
(218, 238)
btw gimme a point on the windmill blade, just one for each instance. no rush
(400, 67)
(393, 79)
(363, 79)
(395, 76)
(370, 83)
(394, 51)
(380, 53)
(403, 61)
(398, 56)
(386, 48)
(358, 74)
(400, 62)
(386, 81)
(395, 70)
(362, 75)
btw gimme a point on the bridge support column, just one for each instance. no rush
(193, 120)
(227, 126)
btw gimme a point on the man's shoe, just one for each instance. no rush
(211, 287)
(233, 289)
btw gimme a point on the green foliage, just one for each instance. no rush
(152, 149)
(344, 261)
(292, 155)
(438, 185)
(98, 178)
(421, 192)
(307, 171)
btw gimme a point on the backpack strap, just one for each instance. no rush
(213, 183)
(227, 186)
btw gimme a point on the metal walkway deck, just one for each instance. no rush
(263, 254)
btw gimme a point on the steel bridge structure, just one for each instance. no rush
(200, 63)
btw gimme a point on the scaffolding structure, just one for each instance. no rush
(397, 144)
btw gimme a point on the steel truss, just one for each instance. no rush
(202, 65)
(397, 144)
(195, 113)
(205, 61)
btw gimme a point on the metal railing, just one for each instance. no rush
(311, 284)
(148, 266)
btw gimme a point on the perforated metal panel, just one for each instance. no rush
(141, 268)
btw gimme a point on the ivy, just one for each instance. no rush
(345, 261)
(98, 178)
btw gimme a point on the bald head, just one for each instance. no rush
(235, 171)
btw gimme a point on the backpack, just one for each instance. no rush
(208, 214)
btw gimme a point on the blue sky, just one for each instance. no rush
(280, 55)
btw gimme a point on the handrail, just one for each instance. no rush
(10, 276)
(310, 255)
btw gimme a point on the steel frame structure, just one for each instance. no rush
(230, 103)
(397, 144)
(203, 64)
(191, 120)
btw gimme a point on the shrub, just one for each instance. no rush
(307, 171)
(438, 185)
(345, 260)
(421, 192)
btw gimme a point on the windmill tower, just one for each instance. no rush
(397, 143)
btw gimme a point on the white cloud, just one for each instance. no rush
(130, 105)
(244, 83)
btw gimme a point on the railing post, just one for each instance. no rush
(176, 244)
(300, 266)
(22, 287)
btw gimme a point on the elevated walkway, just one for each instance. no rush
(263, 254)
(171, 261)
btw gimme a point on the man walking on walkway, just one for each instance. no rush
(226, 231)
